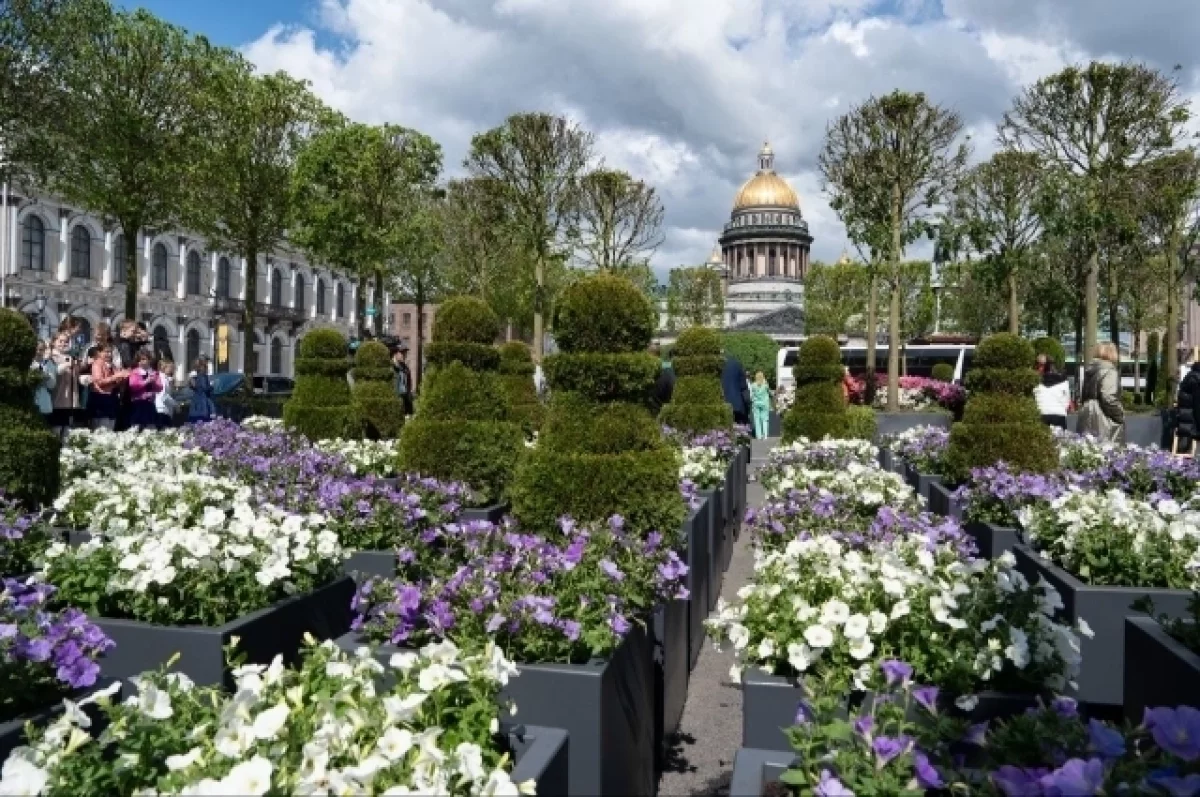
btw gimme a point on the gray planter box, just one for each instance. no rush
(774, 424)
(696, 529)
(753, 769)
(672, 667)
(541, 754)
(887, 460)
(363, 565)
(941, 501)
(715, 552)
(1102, 673)
(12, 732)
(391, 481)
(278, 629)
(992, 540)
(921, 482)
(1159, 670)
(606, 707)
(492, 514)
(896, 422)
(1140, 430)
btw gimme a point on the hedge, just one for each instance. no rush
(819, 409)
(320, 407)
(377, 408)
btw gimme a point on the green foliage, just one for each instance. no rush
(697, 418)
(320, 407)
(1018, 382)
(808, 374)
(373, 355)
(465, 319)
(1004, 350)
(29, 470)
(943, 372)
(603, 313)
(1026, 447)
(819, 412)
(527, 409)
(861, 423)
(819, 350)
(456, 392)
(323, 344)
(577, 424)
(604, 377)
(833, 296)
(694, 297)
(702, 365)
(697, 390)
(516, 358)
(475, 356)
(377, 408)
(754, 350)
(18, 341)
(1053, 349)
(697, 341)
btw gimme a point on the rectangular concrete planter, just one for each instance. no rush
(921, 482)
(605, 706)
(774, 424)
(1159, 670)
(697, 531)
(896, 422)
(941, 501)
(753, 769)
(672, 667)
(741, 471)
(886, 459)
(1140, 430)
(542, 755)
(992, 540)
(278, 629)
(1102, 673)
(363, 565)
(717, 533)
(12, 732)
(492, 514)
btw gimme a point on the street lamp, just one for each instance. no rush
(936, 285)
(40, 304)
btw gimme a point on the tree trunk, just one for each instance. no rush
(1092, 303)
(893, 400)
(249, 339)
(872, 339)
(377, 303)
(1114, 308)
(1171, 335)
(1137, 371)
(539, 325)
(1014, 307)
(360, 308)
(130, 266)
(419, 348)
(1080, 357)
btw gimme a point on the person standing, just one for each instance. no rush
(403, 376)
(144, 385)
(1101, 414)
(760, 395)
(43, 394)
(1053, 396)
(201, 407)
(736, 388)
(164, 402)
(66, 386)
(107, 382)
(1188, 404)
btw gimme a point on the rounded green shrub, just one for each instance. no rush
(320, 407)
(516, 358)
(697, 342)
(475, 356)
(604, 377)
(819, 410)
(461, 432)
(1053, 349)
(516, 377)
(697, 403)
(754, 350)
(861, 422)
(377, 408)
(604, 313)
(574, 425)
(1000, 422)
(943, 372)
(819, 350)
(465, 319)
(699, 365)
(29, 452)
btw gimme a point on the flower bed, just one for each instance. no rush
(917, 393)
(24, 537)
(922, 447)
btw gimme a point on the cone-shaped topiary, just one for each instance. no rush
(461, 430)
(320, 407)
(819, 410)
(1001, 421)
(600, 452)
(377, 408)
(697, 403)
(516, 377)
(943, 372)
(28, 450)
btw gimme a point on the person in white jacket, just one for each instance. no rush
(1053, 397)
(164, 403)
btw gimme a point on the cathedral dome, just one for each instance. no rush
(766, 189)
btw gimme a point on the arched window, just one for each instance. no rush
(193, 348)
(81, 253)
(299, 301)
(320, 299)
(276, 288)
(276, 356)
(223, 280)
(340, 301)
(158, 270)
(162, 344)
(119, 255)
(33, 244)
(193, 273)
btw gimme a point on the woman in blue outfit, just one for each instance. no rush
(202, 407)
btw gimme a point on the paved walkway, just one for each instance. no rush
(700, 762)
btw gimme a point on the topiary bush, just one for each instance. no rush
(377, 408)
(697, 403)
(516, 378)
(861, 423)
(600, 452)
(462, 428)
(943, 372)
(1053, 350)
(29, 470)
(819, 409)
(321, 407)
(1001, 421)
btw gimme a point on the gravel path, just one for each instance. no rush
(700, 761)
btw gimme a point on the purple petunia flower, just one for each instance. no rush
(864, 725)
(926, 773)
(927, 697)
(888, 748)
(1065, 707)
(977, 734)
(1174, 785)
(619, 624)
(831, 786)
(1175, 730)
(1076, 777)
(896, 672)
(1105, 741)
(611, 570)
(804, 713)
(1018, 782)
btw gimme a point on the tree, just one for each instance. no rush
(619, 220)
(1143, 301)
(972, 303)
(131, 123)
(258, 124)
(916, 300)
(833, 295)
(999, 200)
(887, 165)
(1093, 124)
(533, 163)
(419, 276)
(360, 184)
(694, 298)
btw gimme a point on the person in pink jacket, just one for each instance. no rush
(144, 385)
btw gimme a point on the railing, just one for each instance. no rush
(269, 312)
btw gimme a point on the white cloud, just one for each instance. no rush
(682, 92)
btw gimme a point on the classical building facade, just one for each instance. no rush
(190, 295)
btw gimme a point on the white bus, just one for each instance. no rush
(919, 358)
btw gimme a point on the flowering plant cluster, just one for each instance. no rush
(44, 654)
(566, 598)
(320, 728)
(785, 397)
(261, 423)
(1111, 539)
(703, 466)
(723, 444)
(997, 494)
(365, 457)
(904, 742)
(786, 466)
(917, 393)
(24, 537)
(690, 494)
(96, 455)
(923, 447)
(1148, 473)
(1079, 452)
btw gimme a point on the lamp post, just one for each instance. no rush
(936, 285)
(40, 304)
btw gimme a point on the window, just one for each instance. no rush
(33, 244)
(119, 265)
(158, 268)
(162, 344)
(276, 288)
(223, 280)
(193, 348)
(276, 356)
(299, 300)
(407, 320)
(340, 301)
(81, 253)
(320, 300)
(193, 273)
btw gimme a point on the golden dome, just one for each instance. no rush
(766, 188)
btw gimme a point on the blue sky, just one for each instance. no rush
(231, 22)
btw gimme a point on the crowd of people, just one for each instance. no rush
(112, 382)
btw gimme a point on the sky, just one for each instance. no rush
(682, 93)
